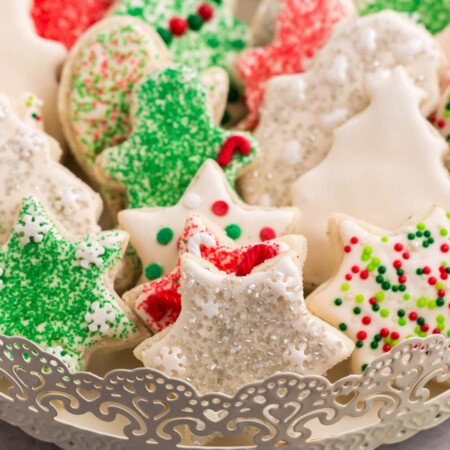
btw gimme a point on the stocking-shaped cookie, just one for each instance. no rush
(301, 112)
(380, 177)
(229, 324)
(173, 135)
(199, 33)
(390, 286)
(29, 62)
(302, 28)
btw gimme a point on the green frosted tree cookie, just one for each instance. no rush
(199, 33)
(56, 292)
(433, 14)
(173, 135)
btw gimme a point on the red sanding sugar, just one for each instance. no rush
(66, 20)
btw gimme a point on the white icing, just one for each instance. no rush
(199, 240)
(297, 92)
(337, 73)
(404, 53)
(384, 167)
(192, 201)
(292, 153)
(334, 119)
(367, 43)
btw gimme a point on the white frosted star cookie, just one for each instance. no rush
(385, 165)
(301, 112)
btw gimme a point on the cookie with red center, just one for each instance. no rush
(302, 28)
(158, 302)
(405, 288)
(65, 21)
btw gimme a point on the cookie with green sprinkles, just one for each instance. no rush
(433, 14)
(199, 33)
(173, 135)
(57, 292)
(390, 286)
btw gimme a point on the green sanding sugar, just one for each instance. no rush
(205, 44)
(53, 291)
(172, 137)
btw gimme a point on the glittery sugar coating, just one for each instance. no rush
(302, 28)
(28, 167)
(235, 330)
(98, 82)
(217, 42)
(433, 14)
(54, 292)
(210, 195)
(173, 135)
(390, 286)
(66, 20)
(158, 302)
(301, 112)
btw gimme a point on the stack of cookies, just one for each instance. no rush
(173, 179)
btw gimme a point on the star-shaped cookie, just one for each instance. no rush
(199, 33)
(390, 285)
(29, 167)
(57, 292)
(158, 302)
(65, 21)
(29, 62)
(302, 28)
(384, 179)
(433, 14)
(234, 330)
(155, 232)
(173, 134)
(301, 112)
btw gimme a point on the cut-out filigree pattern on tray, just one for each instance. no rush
(150, 410)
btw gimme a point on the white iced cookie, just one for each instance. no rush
(28, 167)
(155, 232)
(301, 112)
(390, 286)
(385, 165)
(29, 62)
(229, 324)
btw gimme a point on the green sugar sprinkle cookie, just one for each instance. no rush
(433, 14)
(56, 292)
(173, 135)
(199, 33)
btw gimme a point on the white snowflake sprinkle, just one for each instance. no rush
(34, 228)
(2, 272)
(67, 200)
(171, 361)
(89, 253)
(100, 318)
(27, 144)
(63, 356)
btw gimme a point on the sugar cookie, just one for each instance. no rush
(199, 33)
(384, 179)
(210, 195)
(390, 285)
(158, 302)
(301, 112)
(302, 28)
(263, 23)
(57, 292)
(229, 325)
(29, 167)
(29, 62)
(173, 135)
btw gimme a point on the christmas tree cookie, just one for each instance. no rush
(155, 232)
(229, 324)
(433, 14)
(199, 33)
(390, 286)
(65, 21)
(30, 167)
(29, 62)
(173, 135)
(158, 302)
(302, 28)
(57, 292)
(383, 180)
(301, 112)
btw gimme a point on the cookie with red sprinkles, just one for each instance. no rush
(158, 302)
(65, 21)
(390, 286)
(302, 28)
